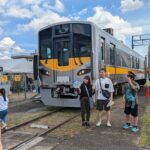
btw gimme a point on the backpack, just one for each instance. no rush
(129, 95)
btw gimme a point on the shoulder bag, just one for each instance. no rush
(91, 102)
(105, 93)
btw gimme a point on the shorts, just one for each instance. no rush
(132, 111)
(3, 115)
(102, 105)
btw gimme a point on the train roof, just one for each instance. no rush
(119, 42)
(64, 22)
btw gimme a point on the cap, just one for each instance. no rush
(131, 74)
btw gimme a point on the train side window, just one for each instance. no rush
(102, 48)
(138, 63)
(136, 60)
(112, 54)
(130, 61)
(133, 64)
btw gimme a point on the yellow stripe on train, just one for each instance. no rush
(74, 63)
(120, 70)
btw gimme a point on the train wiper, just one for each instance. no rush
(80, 58)
(74, 57)
(46, 60)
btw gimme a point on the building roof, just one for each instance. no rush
(16, 66)
(23, 55)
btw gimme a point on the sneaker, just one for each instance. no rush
(134, 129)
(108, 124)
(83, 123)
(4, 127)
(87, 124)
(126, 126)
(98, 124)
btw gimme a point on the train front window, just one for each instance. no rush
(62, 48)
(81, 40)
(62, 29)
(45, 44)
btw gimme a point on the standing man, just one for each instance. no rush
(131, 102)
(103, 83)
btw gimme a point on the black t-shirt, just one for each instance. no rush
(84, 92)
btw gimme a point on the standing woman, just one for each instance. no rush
(86, 91)
(3, 107)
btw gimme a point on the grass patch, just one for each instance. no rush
(145, 135)
(15, 119)
(74, 127)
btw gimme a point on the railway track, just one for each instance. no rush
(12, 104)
(36, 137)
(31, 120)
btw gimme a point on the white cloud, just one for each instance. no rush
(31, 2)
(8, 47)
(17, 49)
(59, 6)
(18, 12)
(2, 26)
(41, 13)
(6, 43)
(5, 57)
(128, 5)
(3, 2)
(105, 19)
(27, 9)
(6, 53)
(83, 11)
(42, 21)
(77, 15)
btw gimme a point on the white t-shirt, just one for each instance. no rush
(3, 104)
(106, 84)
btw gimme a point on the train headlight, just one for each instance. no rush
(83, 71)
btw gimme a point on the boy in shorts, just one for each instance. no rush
(131, 107)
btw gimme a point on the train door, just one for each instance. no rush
(62, 50)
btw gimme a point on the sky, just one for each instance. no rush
(20, 20)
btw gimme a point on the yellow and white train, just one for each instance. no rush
(70, 50)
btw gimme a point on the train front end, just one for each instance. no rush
(64, 58)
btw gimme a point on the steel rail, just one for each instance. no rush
(32, 120)
(18, 146)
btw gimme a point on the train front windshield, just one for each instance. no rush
(65, 41)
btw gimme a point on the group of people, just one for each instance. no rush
(103, 90)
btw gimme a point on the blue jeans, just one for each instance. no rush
(3, 115)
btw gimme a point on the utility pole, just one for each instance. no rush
(140, 40)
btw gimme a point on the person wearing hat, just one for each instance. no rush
(131, 102)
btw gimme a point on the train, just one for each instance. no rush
(68, 51)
